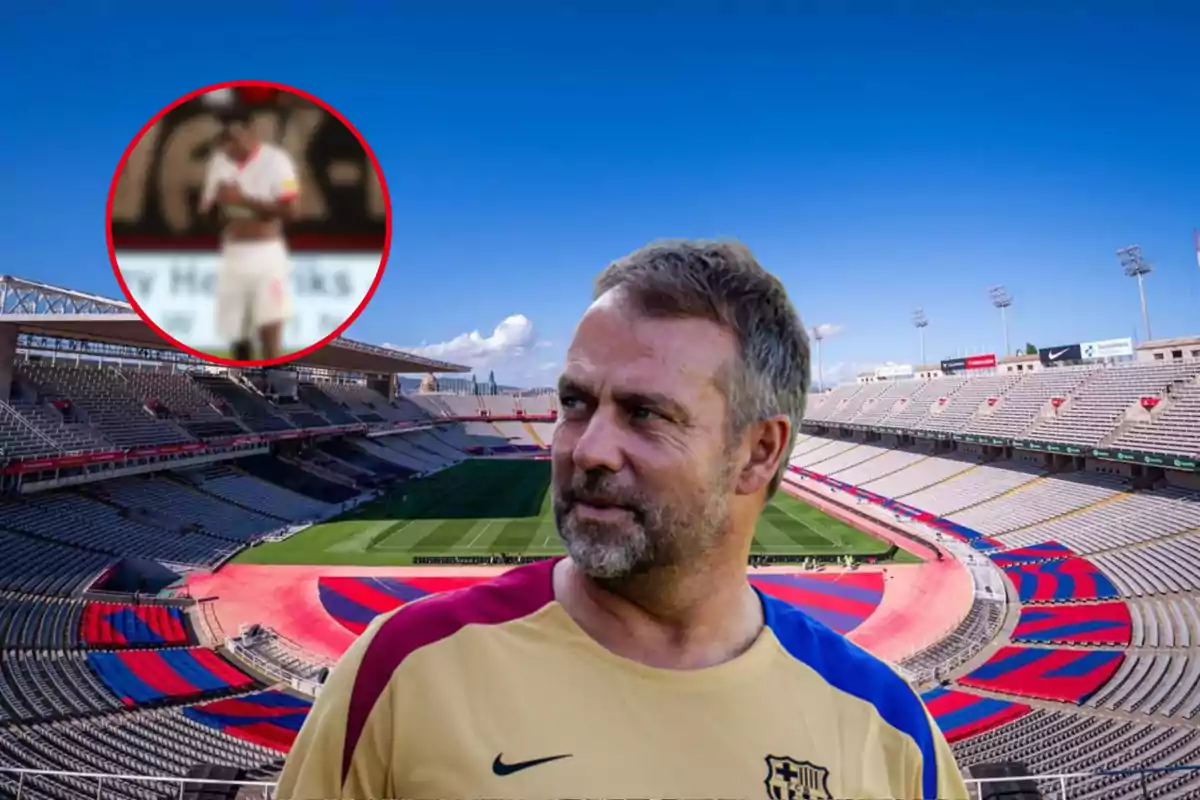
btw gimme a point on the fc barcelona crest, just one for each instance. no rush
(789, 779)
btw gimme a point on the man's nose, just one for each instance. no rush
(600, 444)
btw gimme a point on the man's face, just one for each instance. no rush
(642, 477)
(238, 141)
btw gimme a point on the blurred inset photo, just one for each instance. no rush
(248, 223)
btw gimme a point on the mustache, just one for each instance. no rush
(600, 490)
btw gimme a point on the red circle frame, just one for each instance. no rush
(387, 209)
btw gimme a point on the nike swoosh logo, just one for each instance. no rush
(500, 768)
(1054, 355)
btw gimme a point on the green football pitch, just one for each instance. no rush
(482, 507)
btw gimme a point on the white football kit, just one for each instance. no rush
(254, 279)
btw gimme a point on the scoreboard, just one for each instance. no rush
(342, 205)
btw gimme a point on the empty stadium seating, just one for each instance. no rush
(1080, 406)
(124, 625)
(139, 677)
(1066, 580)
(962, 715)
(1103, 571)
(1086, 623)
(1062, 741)
(104, 399)
(1095, 663)
(271, 719)
(176, 395)
(30, 623)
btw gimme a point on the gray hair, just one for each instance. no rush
(724, 283)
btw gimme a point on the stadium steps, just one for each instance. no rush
(144, 516)
(919, 461)
(8, 528)
(813, 466)
(1124, 548)
(864, 461)
(1002, 638)
(1065, 515)
(1051, 705)
(1166, 401)
(1005, 493)
(533, 435)
(199, 487)
(825, 443)
(937, 482)
(320, 471)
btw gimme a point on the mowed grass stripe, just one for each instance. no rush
(444, 536)
(487, 506)
(516, 536)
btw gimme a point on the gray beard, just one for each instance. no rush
(657, 537)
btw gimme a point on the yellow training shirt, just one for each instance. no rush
(493, 691)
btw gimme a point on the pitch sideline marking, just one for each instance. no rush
(471, 544)
(383, 545)
(840, 544)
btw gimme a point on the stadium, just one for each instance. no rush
(188, 549)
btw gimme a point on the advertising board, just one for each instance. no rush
(1049, 356)
(952, 365)
(177, 291)
(1107, 348)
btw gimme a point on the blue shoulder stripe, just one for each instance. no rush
(850, 669)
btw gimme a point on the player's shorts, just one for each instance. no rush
(254, 288)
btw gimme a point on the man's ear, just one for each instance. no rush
(765, 443)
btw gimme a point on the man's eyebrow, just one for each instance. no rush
(664, 402)
(568, 385)
(654, 399)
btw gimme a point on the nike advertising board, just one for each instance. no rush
(1065, 353)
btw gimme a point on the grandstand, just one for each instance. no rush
(1079, 486)
(130, 472)
(127, 467)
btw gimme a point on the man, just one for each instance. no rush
(253, 186)
(643, 664)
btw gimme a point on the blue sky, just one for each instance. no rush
(876, 160)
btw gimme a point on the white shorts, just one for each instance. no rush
(254, 288)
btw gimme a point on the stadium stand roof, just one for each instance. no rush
(40, 309)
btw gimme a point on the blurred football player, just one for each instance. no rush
(252, 185)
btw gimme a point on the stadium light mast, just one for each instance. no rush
(818, 335)
(1001, 299)
(1196, 244)
(1137, 267)
(921, 322)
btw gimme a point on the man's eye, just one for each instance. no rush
(643, 413)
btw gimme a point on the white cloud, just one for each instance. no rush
(508, 349)
(827, 329)
(839, 372)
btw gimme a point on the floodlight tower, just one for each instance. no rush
(921, 322)
(818, 335)
(1137, 267)
(1196, 243)
(1001, 299)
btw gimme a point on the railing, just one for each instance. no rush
(1068, 788)
(16, 780)
(306, 684)
(19, 418)
(213, 629)
(1065, 785)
